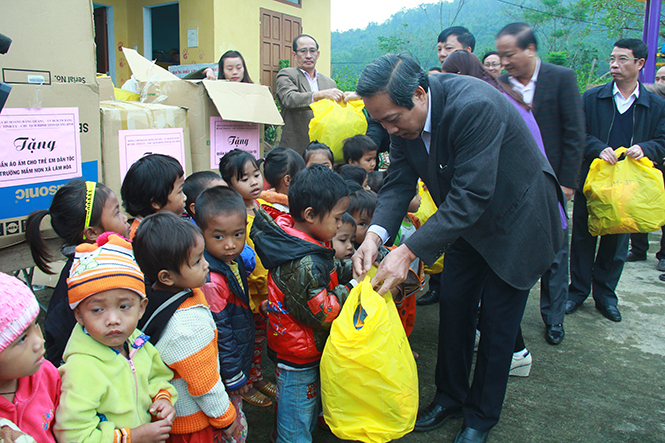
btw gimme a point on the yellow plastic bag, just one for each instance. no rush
(334, 122)
(624, 198)
(369, 380)
(424, 212)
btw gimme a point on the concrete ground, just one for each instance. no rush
(604, 384)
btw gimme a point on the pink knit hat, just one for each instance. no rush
(18, 308)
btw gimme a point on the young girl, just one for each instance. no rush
(319, 153)
(240, 170)
(29, 386)
(280, 167)
(80, 212)
(232, 67)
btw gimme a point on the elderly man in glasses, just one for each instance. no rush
(297, 88)
(620, 113)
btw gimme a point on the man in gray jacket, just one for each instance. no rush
(297, 88)
(498, 222)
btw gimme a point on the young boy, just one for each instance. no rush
(113, 380)
(307, 290)
(221, 214)
(195, 184)
(360, 150)
(361, 207)
(169, 251)
(153, 183)
(343, 241)
(29, 385)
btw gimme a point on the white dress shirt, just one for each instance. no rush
(529, 90)
(624, 104)
(313, 82)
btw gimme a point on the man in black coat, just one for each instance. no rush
(498, 223)
(620, 113)
(555, 100)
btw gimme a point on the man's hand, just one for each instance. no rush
(635, 152)
(351, 95)
(609, 156)
(332, 94)
(568, 192)
(393, 270)
(8, 435)
(163, 410)
(154, 432)
(365, 255)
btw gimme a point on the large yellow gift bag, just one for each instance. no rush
(369, 380)
(334, 122)
(626, 197)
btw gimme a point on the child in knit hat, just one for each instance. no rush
(29, 385)
(113, 380)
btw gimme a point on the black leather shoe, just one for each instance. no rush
(662, 277)
(571, 306)
(610, 312)
(554, 334)
(661, 265)
(635, 257)
(429, 298)
(434, 416)
(470, 435)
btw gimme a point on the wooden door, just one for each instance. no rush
(277, 33)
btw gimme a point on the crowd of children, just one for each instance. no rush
(155, 331)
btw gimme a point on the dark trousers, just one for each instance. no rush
(589, 270)
(554, 287)
(639, 244)
(467, 277)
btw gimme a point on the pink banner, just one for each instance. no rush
(38, 145)
(135, 143)
(227, 135)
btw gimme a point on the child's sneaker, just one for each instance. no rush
(521, 364)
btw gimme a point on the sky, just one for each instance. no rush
(350, 14)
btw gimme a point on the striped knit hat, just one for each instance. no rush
(18, 308)
(107, 265)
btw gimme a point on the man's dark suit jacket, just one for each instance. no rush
(486, 174)
(557, 107)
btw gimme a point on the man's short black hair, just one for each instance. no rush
(353, 173)
(362, 202)
(163, 241)
(149, 180)
(487, 54)
(355, 147)
(640, 50)
(396, 75)
(375, 180)
(347, 219)
(523, 33)
(232, 164)
(315, 147)
(295, 41)
(215, 201)
(317, 187)
(463, 35)
(197, 183)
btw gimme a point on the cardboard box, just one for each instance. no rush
(18, 201)
(106, 88)
(148, 118)
(242, 102)
(53, 42)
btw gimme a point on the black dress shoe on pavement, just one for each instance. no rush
(635, 257)
(610, 312)
(661, 265)
(554, 334)
(434, 416)
(470, 435)
(662, 277)
(571, 306)
(429, 298)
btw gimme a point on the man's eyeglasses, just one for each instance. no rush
(304, 51)
(620, 60)
(492, 65)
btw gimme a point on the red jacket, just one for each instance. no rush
(35, 403)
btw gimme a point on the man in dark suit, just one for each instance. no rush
(498, 223)
(297, 88)
(555, 100)
(620, 113)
